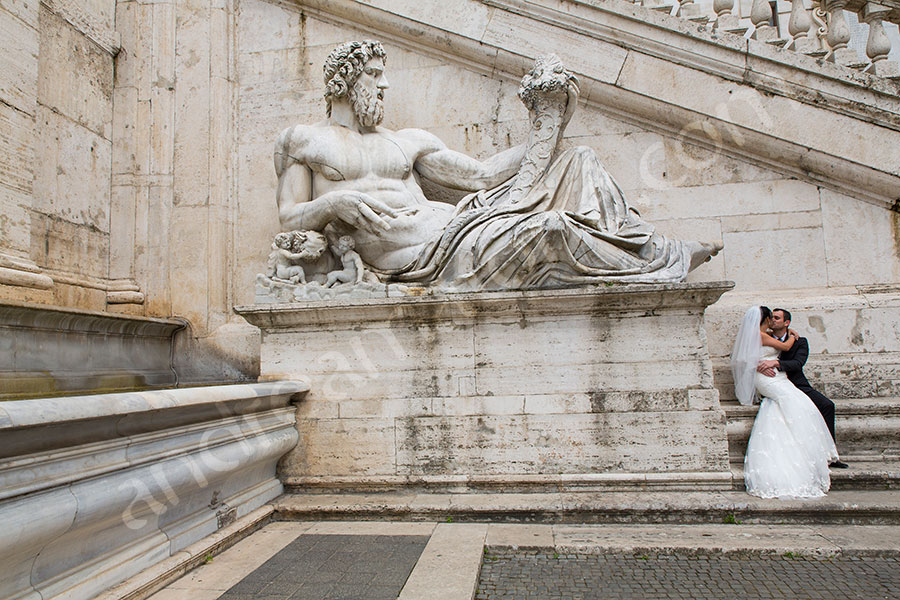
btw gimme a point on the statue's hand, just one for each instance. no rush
(572, 92)
(360, 210)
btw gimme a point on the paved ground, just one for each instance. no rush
(367, 560)
(334, 567)
(524, 575)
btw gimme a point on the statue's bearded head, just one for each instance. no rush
(342, 69)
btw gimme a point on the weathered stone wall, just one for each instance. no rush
(549, 389)
(57, 121)
(70, 209)
(140, 181)
(804, 240)
(779, 230)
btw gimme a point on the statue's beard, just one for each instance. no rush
(369, 108)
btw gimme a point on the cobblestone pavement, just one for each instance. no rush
(320, 567)
(529, 575)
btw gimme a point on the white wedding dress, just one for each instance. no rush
(790, 447)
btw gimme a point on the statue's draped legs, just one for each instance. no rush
(573, 227)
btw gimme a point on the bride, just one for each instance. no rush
(790, 447)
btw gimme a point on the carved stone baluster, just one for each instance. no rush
(820, 29)
(760, 16)
(838, 35)
(799, 27)
(878, 45)
(726, 20)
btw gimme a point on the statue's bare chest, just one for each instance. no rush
(349, 156)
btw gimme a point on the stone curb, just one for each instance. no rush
(651, 550)
(151, 580)
(840, 507)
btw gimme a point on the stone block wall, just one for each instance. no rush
(58, 121)
(550, 389)
(801, 240)
(137, 142)
(780, 232)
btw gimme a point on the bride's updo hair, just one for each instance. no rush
(766, 313)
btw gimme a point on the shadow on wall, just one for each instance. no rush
(230, 354)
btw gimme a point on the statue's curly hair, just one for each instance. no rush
(344, 64)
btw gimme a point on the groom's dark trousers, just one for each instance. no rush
(792, 362)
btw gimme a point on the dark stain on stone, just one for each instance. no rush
(856, 334)
(895, 226)
(483, 427)
(817, 323)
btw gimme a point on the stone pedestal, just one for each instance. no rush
(606, 387)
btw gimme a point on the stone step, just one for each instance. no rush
(867, 429)
(857, 507)
(861, 475)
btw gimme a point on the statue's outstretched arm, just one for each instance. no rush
(456, 170)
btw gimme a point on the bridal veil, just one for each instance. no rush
(745, 356)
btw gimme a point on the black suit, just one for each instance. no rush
(792, 362)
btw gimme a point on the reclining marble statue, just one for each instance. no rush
(534, 218)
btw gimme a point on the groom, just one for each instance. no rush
(791, 362)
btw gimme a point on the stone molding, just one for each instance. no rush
(891, 6)
(871, 101)
(109, 40)
(524, 303)
(118, 291)
(21, 272)
(98, 488)
(51, 349)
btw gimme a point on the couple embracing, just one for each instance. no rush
(791, 446)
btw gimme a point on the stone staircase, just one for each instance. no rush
(868, 493)
(868, 438)
(867, 428)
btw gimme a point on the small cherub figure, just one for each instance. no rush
(353, 265)
(281, 264)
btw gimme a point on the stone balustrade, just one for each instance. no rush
(94, 489)
(820, 30)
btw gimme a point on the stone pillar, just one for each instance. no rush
(142, 160)
(203, 141)
(18, 106)
(760, 15)
(173, 163)
(725, 17)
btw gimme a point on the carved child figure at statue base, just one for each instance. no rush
(353, 265)
(291, 250)
(282, 265)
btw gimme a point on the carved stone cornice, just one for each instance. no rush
(106, 38)
(891, 8)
